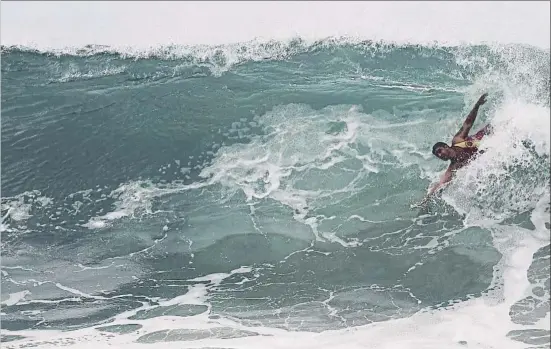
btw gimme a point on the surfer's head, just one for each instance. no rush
(442, 151)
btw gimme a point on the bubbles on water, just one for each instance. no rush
(296, 142)
(132, 199)
(18, 209)
(69, 71)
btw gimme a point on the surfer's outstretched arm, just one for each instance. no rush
(469, 121)
(446, 177)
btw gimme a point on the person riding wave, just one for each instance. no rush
(463, 147)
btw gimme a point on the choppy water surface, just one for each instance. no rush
(258, 195)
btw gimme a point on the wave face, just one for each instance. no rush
(258, 195)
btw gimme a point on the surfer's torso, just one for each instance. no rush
(465, 151)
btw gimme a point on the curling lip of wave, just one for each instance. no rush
(249, 50)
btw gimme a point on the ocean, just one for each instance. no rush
(258, 195)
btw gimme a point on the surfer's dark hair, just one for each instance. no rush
(438, 145)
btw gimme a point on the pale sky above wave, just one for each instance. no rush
(142, 24)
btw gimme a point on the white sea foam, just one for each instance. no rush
(19, 208)
(14, 298)
(73, 72)
(132, 199)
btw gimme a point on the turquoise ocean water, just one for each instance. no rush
(257, 195)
